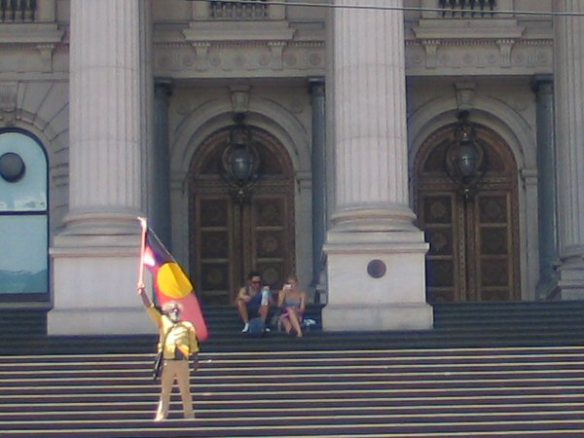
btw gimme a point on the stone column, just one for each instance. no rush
(569, 89)
(376, 274)
(159, 179)
(319, 197)
(96, 256)
(546, 186)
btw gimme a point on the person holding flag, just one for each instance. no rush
(178, 344)
(180, 322)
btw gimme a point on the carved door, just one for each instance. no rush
(474, 254)
(230, 238)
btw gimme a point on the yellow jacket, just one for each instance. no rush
(182, 335)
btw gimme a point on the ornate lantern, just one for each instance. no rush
(465, 157)
(240, 161)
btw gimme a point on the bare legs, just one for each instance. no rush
(292, 320)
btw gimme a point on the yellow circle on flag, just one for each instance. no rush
(172, 281)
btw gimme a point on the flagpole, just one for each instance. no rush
(142, 250)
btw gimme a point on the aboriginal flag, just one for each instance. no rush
(171, 283)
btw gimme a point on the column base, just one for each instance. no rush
(376, 281)
(370, 317)
(94, 287)
(96, 321)
(571, 280)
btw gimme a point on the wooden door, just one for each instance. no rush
(474, 254)
(231, 238)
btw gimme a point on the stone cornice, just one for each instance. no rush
(443, 29)
(243, 31)
(30, 34)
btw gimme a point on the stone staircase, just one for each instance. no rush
(486, 370)
(455, 325)
(466, 392)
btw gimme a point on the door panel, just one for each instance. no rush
(272, 237)
(438, 221)
(495, 252)
(473, 254)
(230, 238)
(214, 248)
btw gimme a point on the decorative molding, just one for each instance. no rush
(202, 54)
(276, 51)
(239, 58)
(442, 29)
(30, 34)
(465, 92)
(46, 51)
(240, 98)
(431, 47)
(485, 57)
(243, 31)
(8, 95)
(505, 47)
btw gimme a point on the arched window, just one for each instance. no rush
(23, 217)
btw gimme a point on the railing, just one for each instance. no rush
(229, 10)
(18, 11)
(467, 8)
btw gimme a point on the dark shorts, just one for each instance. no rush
(253, 309)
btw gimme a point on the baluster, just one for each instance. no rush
(452, 7)
(442, 4)
(11, 6)
(28, 10)
(482, 7)
(472, 4)
(492, 4)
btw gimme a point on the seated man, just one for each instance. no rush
(250, 302)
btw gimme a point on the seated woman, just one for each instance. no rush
(292, 301)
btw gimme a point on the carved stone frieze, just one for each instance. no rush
(470, 47)
(468, 57)
(239, 58)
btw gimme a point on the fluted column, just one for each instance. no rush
(546, 185)
(319, 198)
(95, 257)
(569, 70)
(159, 176)
(104, 109)
(375, 253)
(370, 115)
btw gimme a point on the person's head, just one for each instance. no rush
(173, 310)
(292, 281)
(255, 279)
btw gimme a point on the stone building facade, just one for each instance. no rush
(394, 154)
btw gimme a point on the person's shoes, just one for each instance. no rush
(245, 328)
(267, 330)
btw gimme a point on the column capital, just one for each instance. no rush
(542, 83)
(316, 85)
(163, 86)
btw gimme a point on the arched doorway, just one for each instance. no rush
(24, 218)
(473, 234)
(229, 236)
